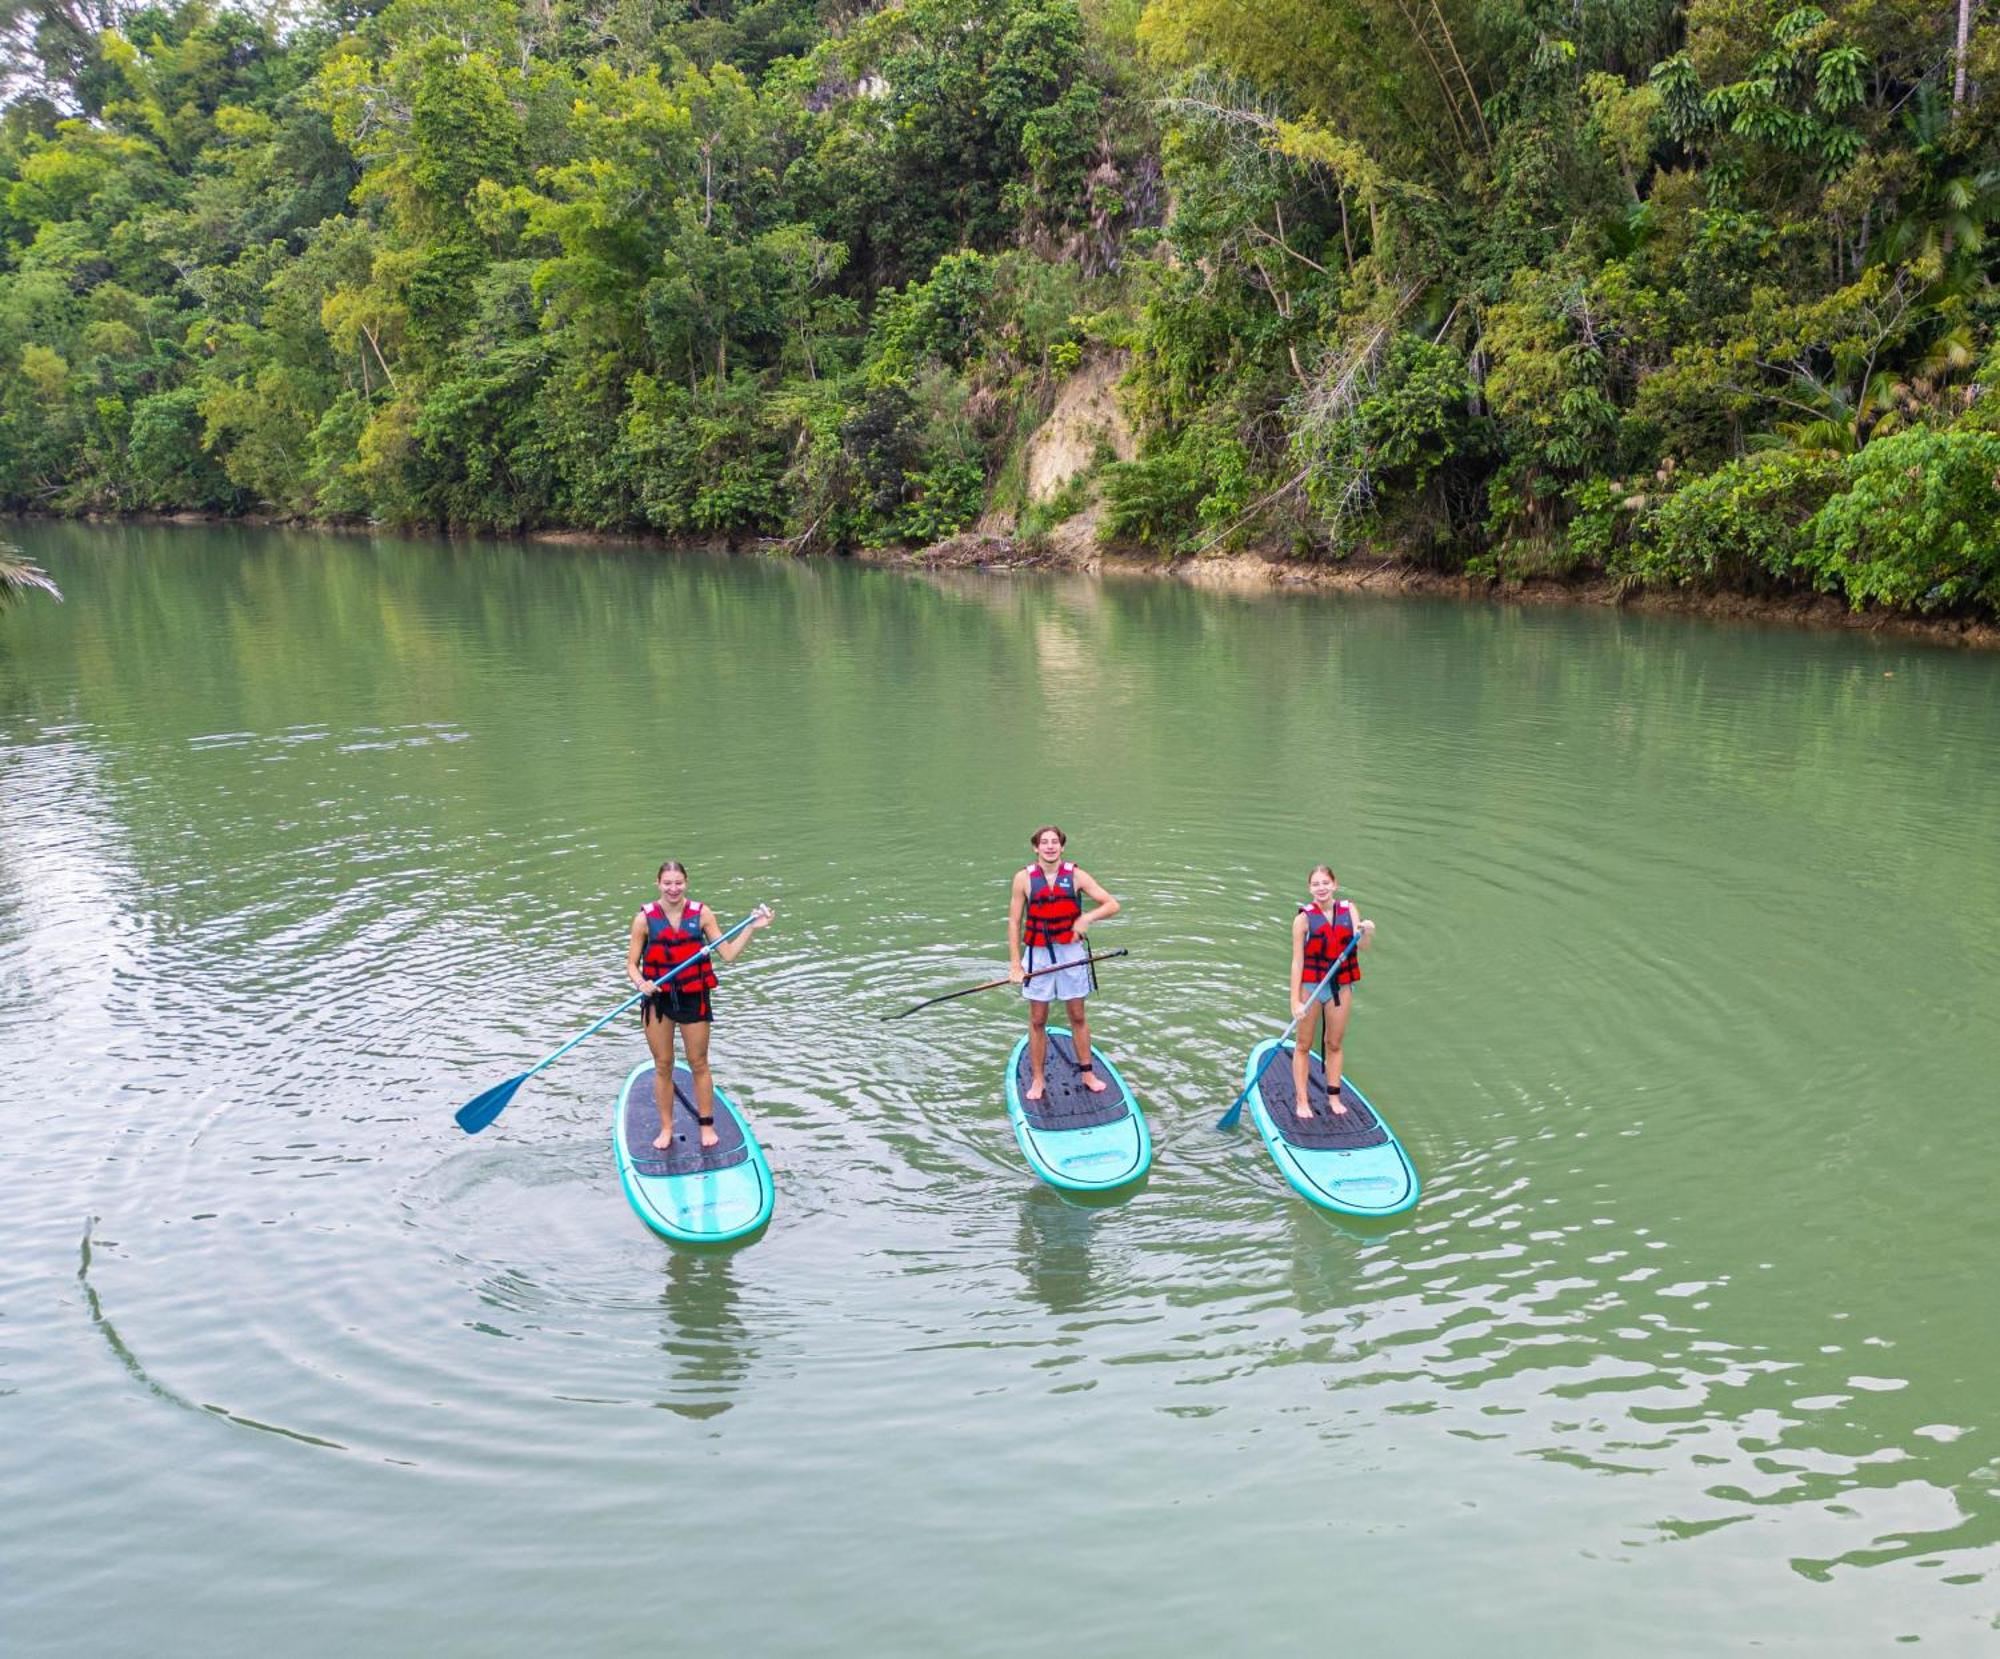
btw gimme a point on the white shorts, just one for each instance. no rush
(1065, 982)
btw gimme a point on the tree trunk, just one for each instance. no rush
(388, 373)
(1958, 74)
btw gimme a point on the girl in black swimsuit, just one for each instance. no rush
(664, 933)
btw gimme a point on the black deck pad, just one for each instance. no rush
(1065, 1102)
(1323, 1131)
(641, 1121)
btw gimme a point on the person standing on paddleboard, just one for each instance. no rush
(1321, 932)
(665, 934)
(1046, 925)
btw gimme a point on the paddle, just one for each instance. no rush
(995, 984)
(1228, 1118)
(481, 1110)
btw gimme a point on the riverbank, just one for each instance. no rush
(1273, 572)
(1244, 572)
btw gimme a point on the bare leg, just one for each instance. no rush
(695, 1039)
(1038, 1050)
(1302, 1060)
(1336, 1033)
(1079, 1030)
(660, 1040)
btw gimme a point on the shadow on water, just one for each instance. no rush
(1054, 1241)
(1318, 1263)
(1312, 1224)
(1112, 1198)
(703, 1333)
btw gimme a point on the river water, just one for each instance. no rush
(1682, 999)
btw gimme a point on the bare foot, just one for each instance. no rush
(1034, 1090)
(1091, 1081)
(664, 1141)
(1304, 1112)
(708, 1135)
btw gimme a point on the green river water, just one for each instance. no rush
(1683, 1000)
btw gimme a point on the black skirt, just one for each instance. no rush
(677, 1006)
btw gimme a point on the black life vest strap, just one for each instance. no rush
(1333, 927)
(1031, 930)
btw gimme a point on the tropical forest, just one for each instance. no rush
(1674, 295)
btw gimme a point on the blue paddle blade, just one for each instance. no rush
(1228, 1118)
(481, 1110)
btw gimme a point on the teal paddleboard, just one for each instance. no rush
(1071, 1137)
(1350, 1162)
(686, 1193)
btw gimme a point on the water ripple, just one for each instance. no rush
(1680, 999)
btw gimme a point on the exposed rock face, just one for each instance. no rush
(1086, 415)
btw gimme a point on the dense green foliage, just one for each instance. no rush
(750, 273)
(1692, 294)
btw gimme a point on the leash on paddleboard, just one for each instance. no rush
(995, 984)
(1228, 1118)
(482, 1109)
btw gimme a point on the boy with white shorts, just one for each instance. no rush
(1047, 955)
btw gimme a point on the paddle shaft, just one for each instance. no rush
(1228, 1118)
(995, 984)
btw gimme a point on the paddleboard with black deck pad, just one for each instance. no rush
(1350, 1162)
(1073, 1138)
(690, 1193)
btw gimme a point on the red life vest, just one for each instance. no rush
(1326, 937)
(1053, 907)
(668, 946)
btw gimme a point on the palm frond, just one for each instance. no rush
(17, 576)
